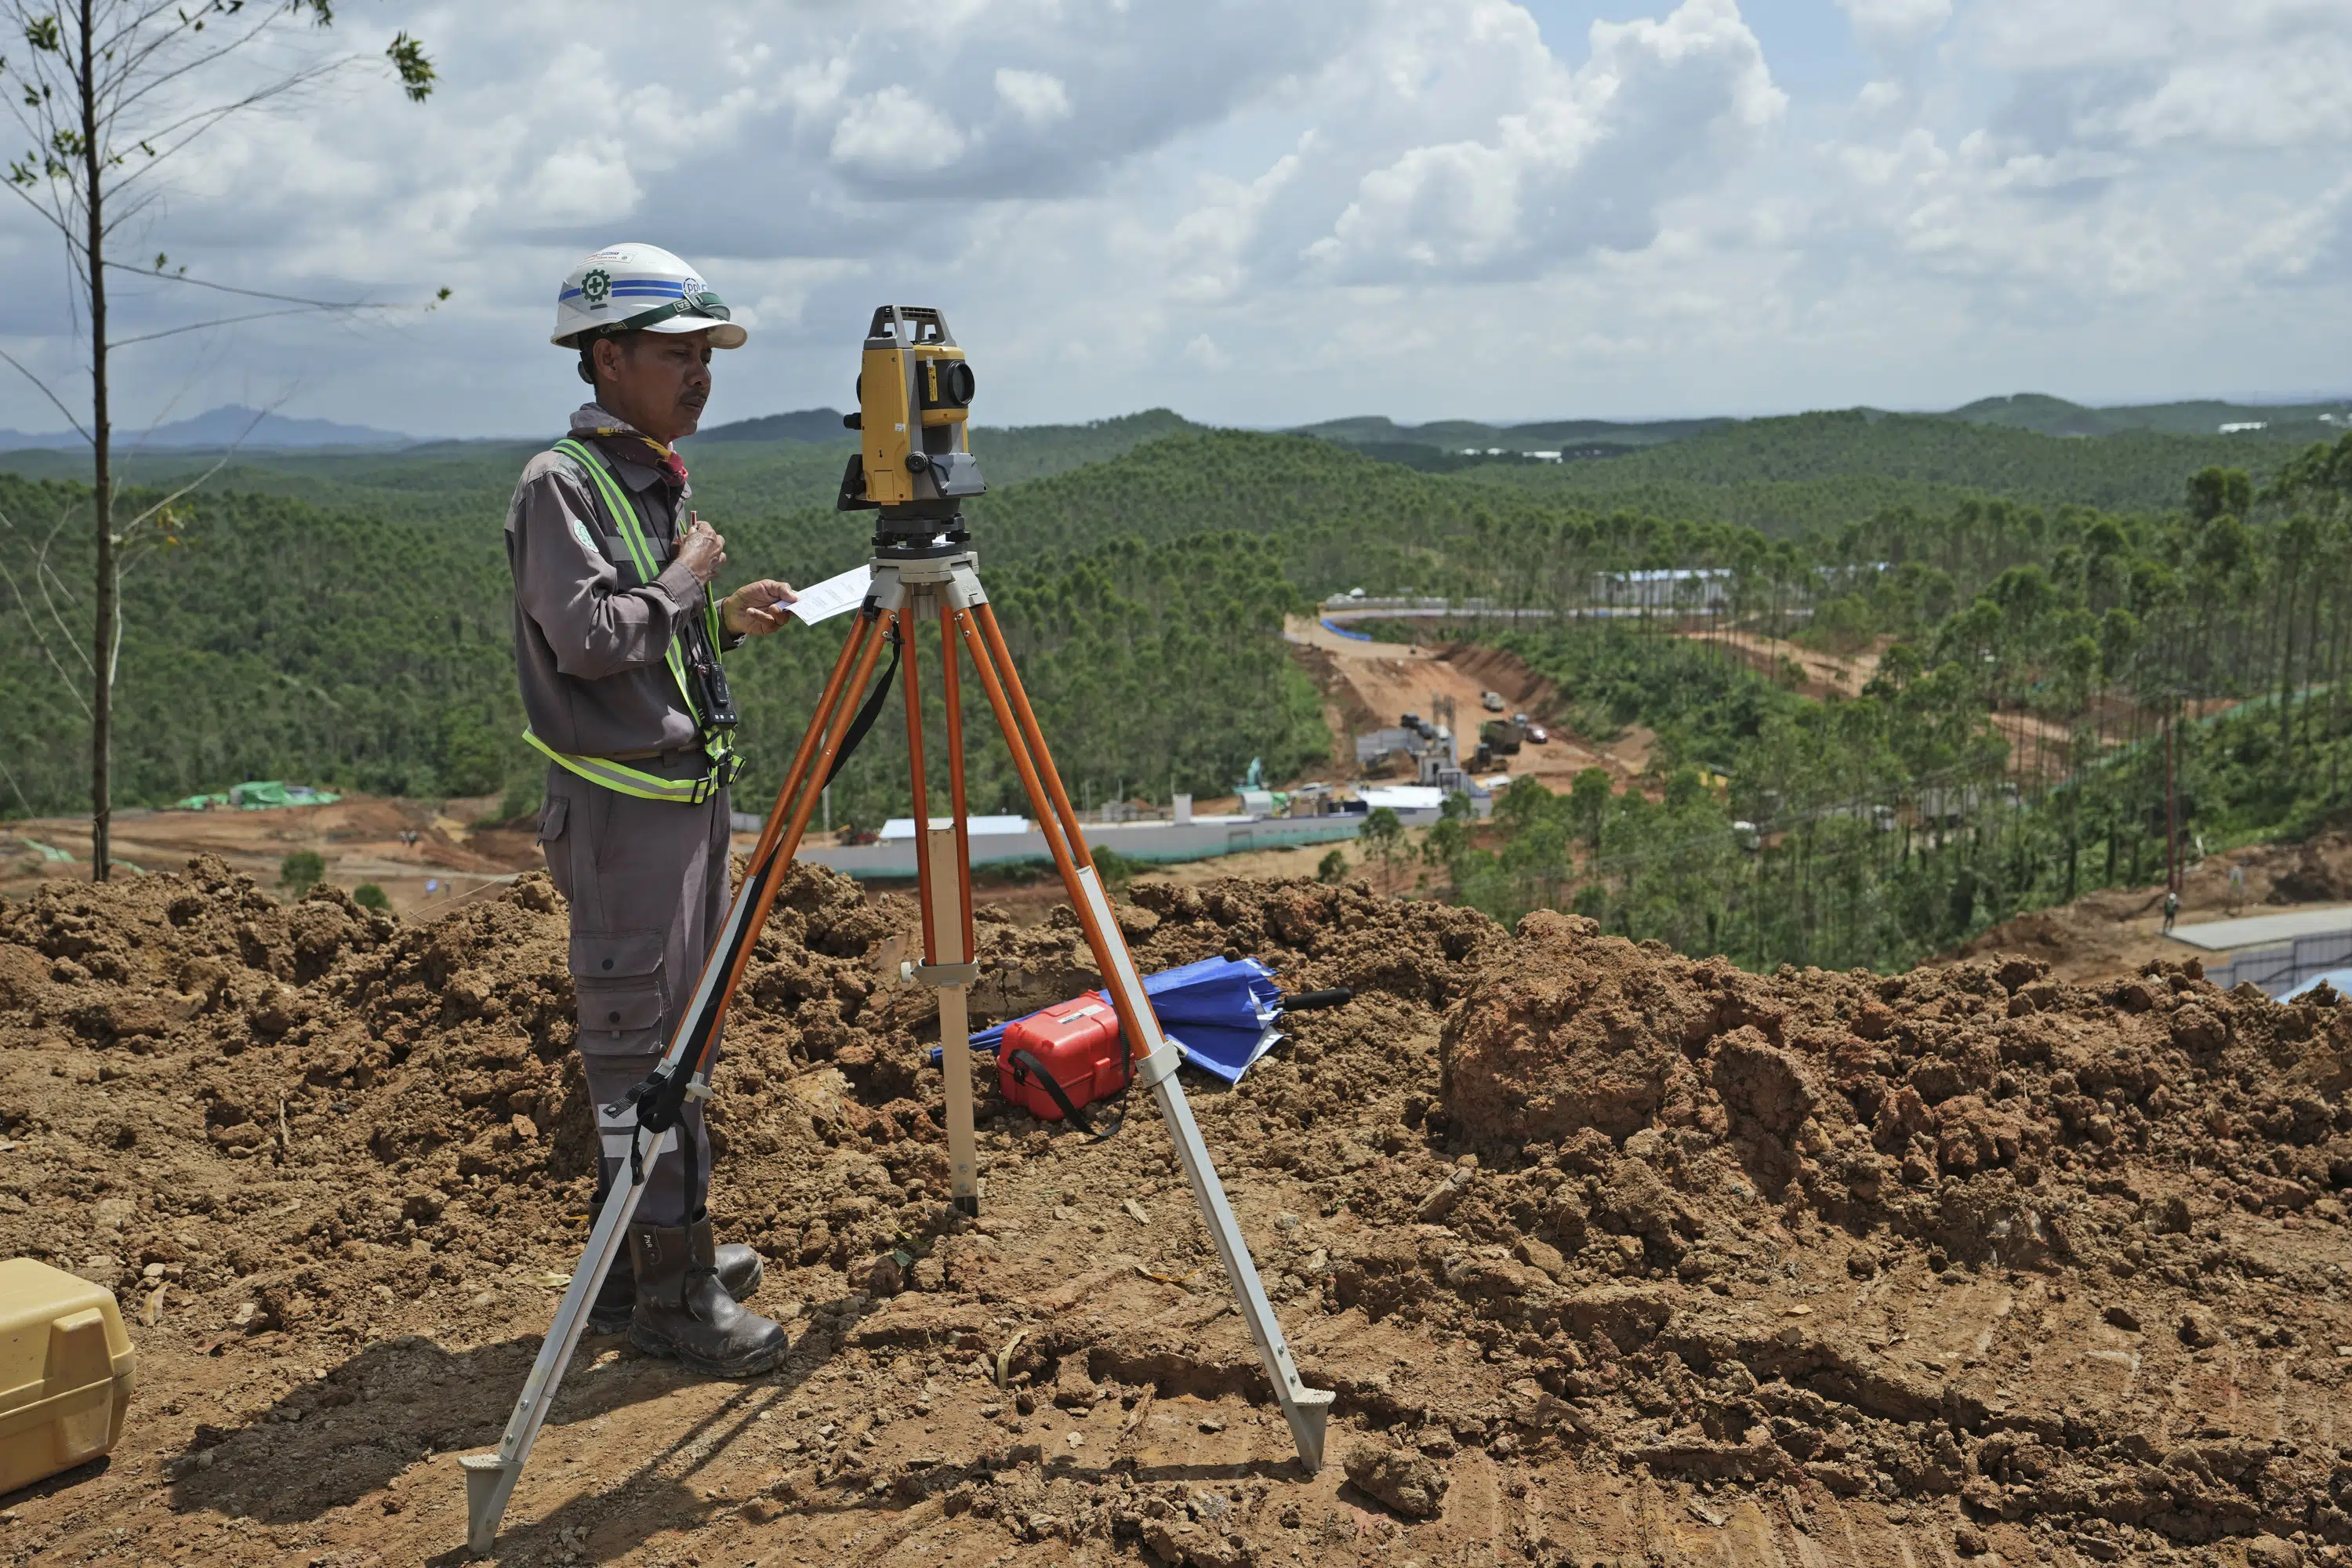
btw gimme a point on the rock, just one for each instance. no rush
(884, 1277)
(2123, 1318)
(2200, 1329)
(1544, 1256)
(1411, 1483)
(2269, 1551)
(1566, 1032)
(1762, 1084)
(1171, 1540)
(1072, 1388)
(1969, 1540)
(2197, 1031)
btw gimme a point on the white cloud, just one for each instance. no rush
(1038, 99)
(1289, 211)
(893, 131)
(1203, 351)
(2251, 74)
(1558, 161)
(1893, 26)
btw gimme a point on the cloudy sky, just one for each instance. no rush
(1267, 212)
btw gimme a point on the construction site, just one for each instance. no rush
(1612, 1256)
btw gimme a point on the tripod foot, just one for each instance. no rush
(1306, 1410)
(968, 1206)
(489, 1481)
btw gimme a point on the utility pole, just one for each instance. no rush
(2171, 814)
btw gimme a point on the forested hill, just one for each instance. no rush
(1785, 474)
(367, 645)
(473, 479)
(343, 617)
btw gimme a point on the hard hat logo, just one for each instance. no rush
(639, 289)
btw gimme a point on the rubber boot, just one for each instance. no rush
(740, 1270)
(683, 1311)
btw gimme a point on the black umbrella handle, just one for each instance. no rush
(1305, 1001)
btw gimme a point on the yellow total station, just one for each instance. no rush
(914, 398)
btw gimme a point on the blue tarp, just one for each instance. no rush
(2339, 978)
(1221, 1013)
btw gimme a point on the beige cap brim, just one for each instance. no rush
(723, 335)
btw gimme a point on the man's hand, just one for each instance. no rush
(755, 609)
(702, 552)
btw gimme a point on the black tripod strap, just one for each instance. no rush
(1025, 1065)
(867, 714)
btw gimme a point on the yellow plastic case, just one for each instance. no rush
(65, 1372)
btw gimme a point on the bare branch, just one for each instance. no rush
(233, 321)
(41, 640)
(231, 288)
(197, 483)
(18, 788)
(45, 392)
(42, 573)
(55, 215)
(183, 131)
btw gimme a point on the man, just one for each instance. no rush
(617, 644)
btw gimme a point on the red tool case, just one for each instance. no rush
(1078, 1043)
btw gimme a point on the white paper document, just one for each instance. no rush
(822, 601)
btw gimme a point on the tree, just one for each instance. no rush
(1588, 804)
(301, 871)
(109, 92)
(1384, 834)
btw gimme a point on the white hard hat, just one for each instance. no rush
(639, 289)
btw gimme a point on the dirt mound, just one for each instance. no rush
(1608, 1252)
(1506, 674)
(2109, 934)
(1669, 1114)
(2321, 872)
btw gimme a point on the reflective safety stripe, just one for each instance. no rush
(615, 1133)
(626, 780)
(716, 743)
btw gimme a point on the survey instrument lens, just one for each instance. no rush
(914, 462)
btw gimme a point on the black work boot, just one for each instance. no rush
(683, 1311)
(740, 1270)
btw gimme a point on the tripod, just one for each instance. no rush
(911, 582)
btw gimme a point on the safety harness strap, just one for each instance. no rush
(725, 763)
(626, 780)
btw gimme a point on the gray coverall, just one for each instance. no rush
(648, 879)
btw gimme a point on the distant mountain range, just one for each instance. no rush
(1463, 440)
(804, 424)
(224, 426)
(2056, 416)
(1444, 443)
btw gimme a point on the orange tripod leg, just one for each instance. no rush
(907, 660)
(797, 774)
(951, 693)
(490, 1478)
(1154, 1058)
(869, 634)
(946, 902)
(993, 635)
(1049, 823)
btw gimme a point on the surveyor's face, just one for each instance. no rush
(658, 382)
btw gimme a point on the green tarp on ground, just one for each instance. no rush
(260, 795)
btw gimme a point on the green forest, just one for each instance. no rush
(2033, 668)
(2042, 609)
